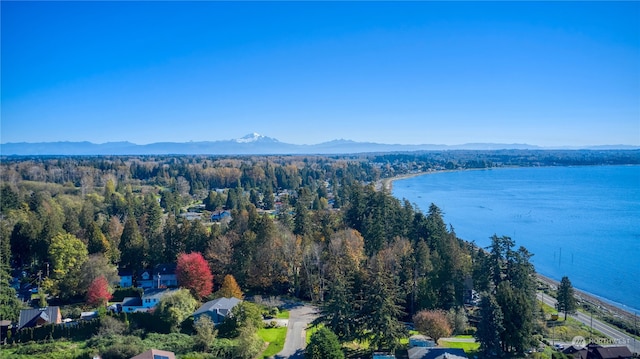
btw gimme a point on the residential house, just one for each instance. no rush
(613, 352)
(164, 276)
(150, 298)
(131, 304)
(217, 309)
(40, 316)
(145, 280)
(126, 278)
(419, 340)
(88, 315)
(383, 356)
(191, 216)
(219, 216)
(155, 354)
(436, 353)
(595, 351)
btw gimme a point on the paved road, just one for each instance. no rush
(618, 337)
(296, 340)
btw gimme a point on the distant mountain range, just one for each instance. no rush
(251, 144)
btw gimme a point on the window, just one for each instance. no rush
(156, 356)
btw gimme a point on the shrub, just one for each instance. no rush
(324, 344)
(175, 342)
(111, 326)
(121, 351)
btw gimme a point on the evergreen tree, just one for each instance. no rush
(339, 311)
(132, 246)
(566, 299)
(323, 345)
(517, 308)
(490, 326)
(10, 305)
(97, 242)
(381, 309)
(301, 220)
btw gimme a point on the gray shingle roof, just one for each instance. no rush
(29, 317)
(221, 305)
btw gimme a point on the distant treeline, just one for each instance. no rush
(314, 227)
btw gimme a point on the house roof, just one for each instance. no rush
(613, 352)
(221, 305)
(165, 268)
(157, 293)
(419, 340)
(436, 353)
(578, 353)
(30, 317)
(125, 273)
(155, 354)
(132, 302)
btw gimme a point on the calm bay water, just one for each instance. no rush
(582, 222)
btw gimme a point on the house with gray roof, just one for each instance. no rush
(217, 309)
(149, 300)
(436, 353)
(39, 316)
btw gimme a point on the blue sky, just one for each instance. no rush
(543, 73)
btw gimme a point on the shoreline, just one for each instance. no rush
(596, 301)
(610, 307)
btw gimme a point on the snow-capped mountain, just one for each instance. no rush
(255, 137)
(251, 144)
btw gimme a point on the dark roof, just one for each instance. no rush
(578, 353)
(165, 268)
(132, 302)
(613, 352)
(158, 293)
(125, 272)
(436, 353)
(30, 317)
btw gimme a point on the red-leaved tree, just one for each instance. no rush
(194, 274)
(99, 293)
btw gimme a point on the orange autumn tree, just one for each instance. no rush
(99, 292)
(230, 288)
(193, 273)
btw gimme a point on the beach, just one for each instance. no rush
(387, 183)
(595, 301)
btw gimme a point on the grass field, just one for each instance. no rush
(469, 348)
(275, 337)
(283, 315)
(566, 330)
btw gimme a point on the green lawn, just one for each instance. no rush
(283, 315)
(468, 348)
(275, 337)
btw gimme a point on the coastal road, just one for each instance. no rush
(296, 340)
(617, 337)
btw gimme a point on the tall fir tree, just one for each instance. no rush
(566, 297)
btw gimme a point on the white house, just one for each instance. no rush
(150, 298)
